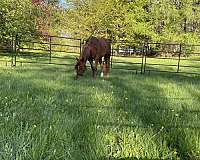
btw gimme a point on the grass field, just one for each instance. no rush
(45, 114)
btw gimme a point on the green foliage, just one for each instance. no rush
(54, 2)
(18, 16)
(94, 17)
(21, 17)
(139, 21)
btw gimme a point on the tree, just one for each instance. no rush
(50, 16)
(17, 16)
(95, 17)
(139, 20)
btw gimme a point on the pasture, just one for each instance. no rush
(46, 114)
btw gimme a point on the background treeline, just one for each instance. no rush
(135, 20)
(166, 21)
(26, 18)
(32, 16)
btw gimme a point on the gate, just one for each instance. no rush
(126, 57)
(40, 49)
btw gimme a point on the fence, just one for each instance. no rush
(157, 57)
(61, 50)
(40, 49)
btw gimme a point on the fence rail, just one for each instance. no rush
(143, 58)
(157, 59)
(41, 47)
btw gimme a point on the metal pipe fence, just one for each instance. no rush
(41, 49)
(140, 58)
(158, 57)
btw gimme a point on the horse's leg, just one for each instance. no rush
(93, 68)
(101, 64)
(107, 64)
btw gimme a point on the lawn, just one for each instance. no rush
(46, 114)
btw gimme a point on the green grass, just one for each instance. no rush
(46, 114)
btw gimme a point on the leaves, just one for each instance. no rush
(141, 20)
(135, 21)
(17, 16)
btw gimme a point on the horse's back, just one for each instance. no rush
(103, 44)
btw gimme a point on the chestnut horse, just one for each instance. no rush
(94, 50)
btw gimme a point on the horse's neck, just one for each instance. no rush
(85, 56)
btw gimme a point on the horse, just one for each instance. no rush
(94, 50)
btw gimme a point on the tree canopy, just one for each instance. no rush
(21, 16)
(138, 20)
(17, 16)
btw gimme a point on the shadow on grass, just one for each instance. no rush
(158, 112)
(133, 158)
(44, 102)
(59, 106)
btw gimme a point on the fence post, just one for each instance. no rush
(142, 65)
(50, 49)
(111, 64)
(145, 56)
(12, 50)
(14, 58)
(179, 58)
(80, 46)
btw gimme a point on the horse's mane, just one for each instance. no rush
(95, 39)
(91, 39)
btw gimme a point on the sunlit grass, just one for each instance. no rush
(45, 114)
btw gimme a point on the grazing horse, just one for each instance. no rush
(94, 50)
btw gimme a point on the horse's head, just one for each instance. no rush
(80, 67)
